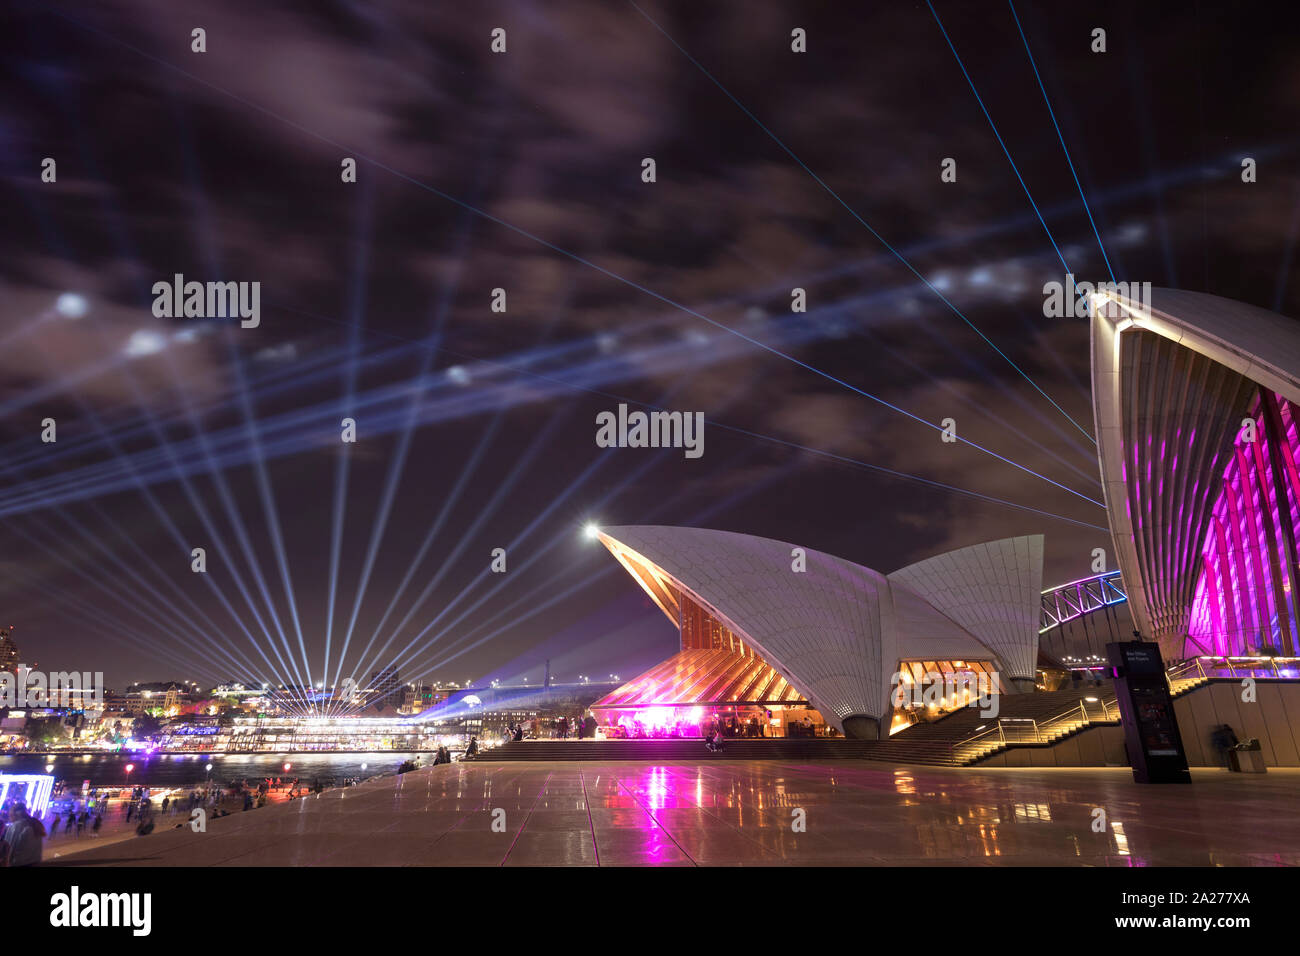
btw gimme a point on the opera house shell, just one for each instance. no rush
(1197, 400)
(765, 624)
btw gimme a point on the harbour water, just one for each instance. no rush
(185, 770)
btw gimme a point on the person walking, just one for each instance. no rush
(23, 837)
(1224, 740)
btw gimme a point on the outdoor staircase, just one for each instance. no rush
(1181, 685)
(965, 737)
(1024, 720)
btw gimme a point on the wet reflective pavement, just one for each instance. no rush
(743, 813)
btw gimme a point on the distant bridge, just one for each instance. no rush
(1066, 602)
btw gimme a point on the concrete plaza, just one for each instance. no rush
(741, 813)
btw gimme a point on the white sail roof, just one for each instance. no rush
(837, 630)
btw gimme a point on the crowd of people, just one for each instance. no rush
(716, 728)
(555, 728)
(23, 835)
(756, 723)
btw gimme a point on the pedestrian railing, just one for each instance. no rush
(1010, 731)
(1210, 666)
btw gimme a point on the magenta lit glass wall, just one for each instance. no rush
(1244, 599)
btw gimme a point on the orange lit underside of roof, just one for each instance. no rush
(704, 677)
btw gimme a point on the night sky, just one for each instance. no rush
(476, 429)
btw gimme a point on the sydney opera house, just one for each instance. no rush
(769, 628)
(1197, 406)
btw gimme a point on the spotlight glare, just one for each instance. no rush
(144, 342)
(70, 305)
(592, 532)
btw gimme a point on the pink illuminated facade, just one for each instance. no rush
(1197, 400)
(1244, 601)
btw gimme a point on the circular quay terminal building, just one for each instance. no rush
(1197, 404)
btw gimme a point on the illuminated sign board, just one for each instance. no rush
(194, 730)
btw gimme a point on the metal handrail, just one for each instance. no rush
(1041, 731)
(1178, 670)
(1234, 664)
